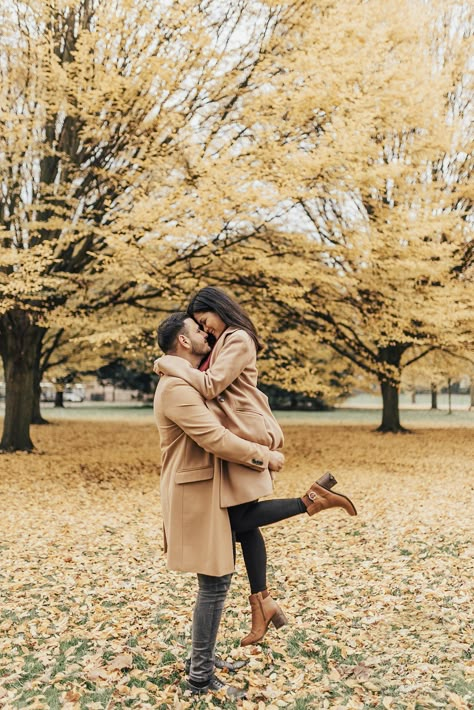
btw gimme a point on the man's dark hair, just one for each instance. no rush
(169, 329)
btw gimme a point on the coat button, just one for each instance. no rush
(257, 462)
(221, 398)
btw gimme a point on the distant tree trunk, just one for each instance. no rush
(36, 416)
(434, 396)
(413, 396)
(471, 389)
(59, 398)
(20, 340)
(450, 410)
(391, 356)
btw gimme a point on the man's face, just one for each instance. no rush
(197, 337)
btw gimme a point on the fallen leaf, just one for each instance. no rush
(124, 660)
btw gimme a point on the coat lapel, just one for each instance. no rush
(220, 344)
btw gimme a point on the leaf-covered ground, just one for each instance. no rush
(380, 606)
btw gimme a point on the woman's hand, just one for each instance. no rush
(275, 461)
(156, 366)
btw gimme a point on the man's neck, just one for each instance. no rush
(194, 360)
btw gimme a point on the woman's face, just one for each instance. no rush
(211, 322)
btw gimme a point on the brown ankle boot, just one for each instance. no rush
(319, 498)
(264, 611)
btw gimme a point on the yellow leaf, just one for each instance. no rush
(124, 660)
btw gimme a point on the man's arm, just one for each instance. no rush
(238, 351)
(185, 406)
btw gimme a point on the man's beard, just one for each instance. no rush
(201, 350)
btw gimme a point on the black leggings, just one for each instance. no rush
(245, 520)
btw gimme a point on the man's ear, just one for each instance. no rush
(183, 340)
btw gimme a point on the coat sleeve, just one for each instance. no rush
(237, 353)
(186, 407)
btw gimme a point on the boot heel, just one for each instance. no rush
(279, 619)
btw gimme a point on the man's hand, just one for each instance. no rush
(276, 461)
(156, 367)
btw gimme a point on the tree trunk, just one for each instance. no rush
(391, 356)
(20, 341)
(36, 416)
(59, 398)
(450, 409)
(390, 412)
(434, 396)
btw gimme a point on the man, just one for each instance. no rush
(198, 536)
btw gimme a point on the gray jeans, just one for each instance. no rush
(206, 618)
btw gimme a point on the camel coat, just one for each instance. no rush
(230, 386)
(198, 536)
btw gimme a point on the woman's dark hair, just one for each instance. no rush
(216, 300)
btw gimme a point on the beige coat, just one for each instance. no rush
(198, 537)
(230, 385)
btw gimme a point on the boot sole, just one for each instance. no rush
(348, 500)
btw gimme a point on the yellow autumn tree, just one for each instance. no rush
(439, 369)
(313, 155)
(358, 162)
(101, 106)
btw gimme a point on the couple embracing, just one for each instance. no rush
(220, 446)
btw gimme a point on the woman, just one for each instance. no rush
(228, 380)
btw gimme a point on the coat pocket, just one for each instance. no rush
(194, 475)
(250, 425)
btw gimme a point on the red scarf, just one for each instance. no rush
(205, 363)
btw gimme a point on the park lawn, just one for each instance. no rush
(379, 606)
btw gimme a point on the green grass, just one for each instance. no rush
(96, 696)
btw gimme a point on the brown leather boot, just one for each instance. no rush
(264, 611)
(319, 498)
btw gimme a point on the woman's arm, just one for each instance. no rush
(184, 406)
(238, 351)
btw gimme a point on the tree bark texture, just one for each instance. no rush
(390, 387)
(390, 412)
(20, 340)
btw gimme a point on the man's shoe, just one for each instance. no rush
(228, 666)
(214, 686)
(319, 498)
